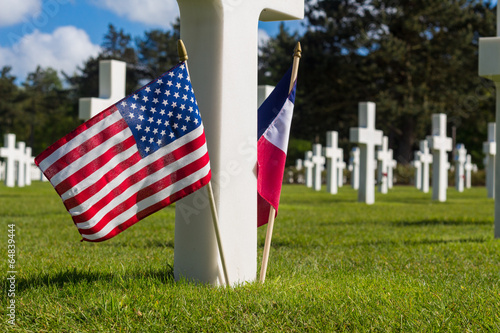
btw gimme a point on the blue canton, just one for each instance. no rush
(162, 111)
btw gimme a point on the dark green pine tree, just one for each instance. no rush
(328, 90)
(47, 112)
(413, 58)
(116, 45)
(424, 61)
(157, 51)
(10, 109)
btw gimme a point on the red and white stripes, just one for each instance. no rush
(107, 187)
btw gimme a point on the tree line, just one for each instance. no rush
(412, 58)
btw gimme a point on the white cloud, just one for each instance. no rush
(263, 37)
(13, 12)
(151, 12)
(64, 49)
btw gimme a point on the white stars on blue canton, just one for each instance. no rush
(162, 111)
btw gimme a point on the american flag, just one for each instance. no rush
(132, 159)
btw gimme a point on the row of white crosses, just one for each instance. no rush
(362, 163)
(335, 165)
(314, 162)
(362, 160)
(18, 165)
(441, 146)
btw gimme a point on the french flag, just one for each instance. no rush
(274, 121)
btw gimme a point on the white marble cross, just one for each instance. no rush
(383, 158)
(308, 165)
(367, 137)
(332, 155)
(418, 169)
(112, 80)
(448, 169)
(318, 161)
(263, 92)
(340, 168)
(2, 171)
(390, 170)
(36, 174)
(489, 67)
(12, 156)
(490, 150)
(460, 160)
(21, 165)
(299, 164)
(440, 145)
(221, 38)
(354, 167)
(26, 162)
(468, 166)
(425, 159)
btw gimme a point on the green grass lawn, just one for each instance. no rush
(404, 264)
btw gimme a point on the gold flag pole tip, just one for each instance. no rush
(297, 52)
(181, 49)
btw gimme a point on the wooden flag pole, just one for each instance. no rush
(297, 53)
(215, 219)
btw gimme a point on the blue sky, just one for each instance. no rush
(63, 33)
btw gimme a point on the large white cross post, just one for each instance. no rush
(112, 80)
(490, 150)
(440, 145)
(489, 67)
(221, 37)
(367, 137)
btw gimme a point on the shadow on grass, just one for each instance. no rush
(438, 222)
(75, 276)
(148, 243)
(404, 200)
(419, 242)
(421, 223)
(370, 243)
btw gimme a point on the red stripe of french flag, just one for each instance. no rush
(271, 158)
